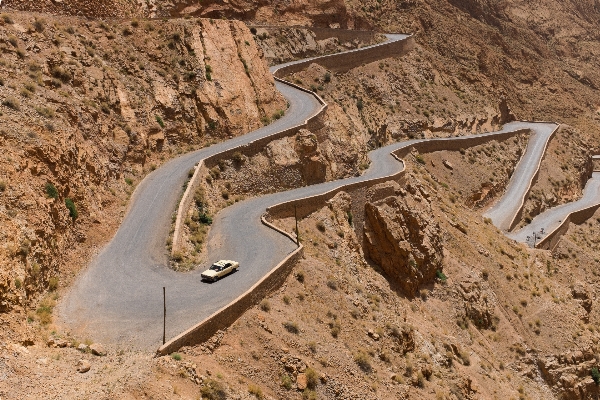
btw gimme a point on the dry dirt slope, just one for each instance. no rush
(88, 108)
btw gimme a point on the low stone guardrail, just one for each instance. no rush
(343, 35)
(275, 278)
(383, 50)
(246, 149)
(343, 62)
(577, 217)
(227, 315)
(307, 205)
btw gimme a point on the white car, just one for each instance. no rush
(220, 269)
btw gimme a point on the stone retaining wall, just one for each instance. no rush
(226, 316)
(308, 205)
(577, 217)
(315, 122)
(342, 62)
(596, 163)
(344, 35)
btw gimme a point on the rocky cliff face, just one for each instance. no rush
(87, 108)
(401, 237)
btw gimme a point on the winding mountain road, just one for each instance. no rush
(118, 297)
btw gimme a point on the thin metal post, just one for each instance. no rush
(164, 314)
(297, 230)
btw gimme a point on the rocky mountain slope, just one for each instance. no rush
(87, 108)
(419, 297)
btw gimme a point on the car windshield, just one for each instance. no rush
(216, 267)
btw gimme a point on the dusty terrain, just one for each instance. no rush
(80, 100)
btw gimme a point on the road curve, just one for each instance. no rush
(504, 210)
(118, 298)
(551, 219)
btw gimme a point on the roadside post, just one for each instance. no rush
(164, 314)
(297, 231)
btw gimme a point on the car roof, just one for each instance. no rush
(223, 262)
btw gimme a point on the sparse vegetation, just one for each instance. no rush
(320, 226)
(61, 74)
(361, 358)
(291, 327)
(51, 190)
(256, 391)
(265, 305)
(596, 376)
(11, 102)
(176, 356)
(160, 121)
(213, 390)
(72, 208)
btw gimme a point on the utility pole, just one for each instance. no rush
(164, 314)
(297, 230)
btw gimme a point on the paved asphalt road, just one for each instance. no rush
(551, 219)
(118, 297)
(505, 209)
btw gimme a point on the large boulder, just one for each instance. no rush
(401, 236)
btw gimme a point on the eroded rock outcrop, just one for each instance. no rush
(401, 236)
(569, 373)
(479, 303)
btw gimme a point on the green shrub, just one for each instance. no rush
(327, 77)
(160, 121)
(129, 181)
(286, 381)
(420, 159)
(596, 376)
(176, 356)
(209, 71)
(253, 30)
(205, 219)
(18, 283)
(72, 208)
(440, 275)
(300, 276)
(51, 190)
